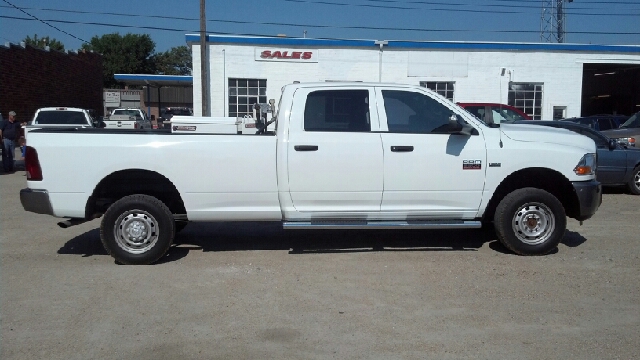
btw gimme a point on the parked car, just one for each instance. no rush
(628, 134)
(167, 113)
(495, 113)
(617, 165)
(599, 122)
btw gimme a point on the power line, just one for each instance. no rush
(393, 7)
(44, 22)
(332, 3)
(309, 26)
(511, 5)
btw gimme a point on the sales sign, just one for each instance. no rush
(289, 55)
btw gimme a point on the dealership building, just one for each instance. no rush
(544, 80)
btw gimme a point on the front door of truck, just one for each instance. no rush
(334, 158)
(429, 172)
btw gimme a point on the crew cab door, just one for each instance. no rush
(429, 172)
(334, 159)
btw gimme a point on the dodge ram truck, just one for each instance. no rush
(342, 156)
(128, 119)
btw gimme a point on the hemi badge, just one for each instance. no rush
(471, 164)
(495, 164)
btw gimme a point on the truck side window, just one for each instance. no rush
(415, 113)
(337, 110)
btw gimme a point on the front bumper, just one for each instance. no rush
(36, 201)
(589, 195)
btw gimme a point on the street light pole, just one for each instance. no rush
(203, 59)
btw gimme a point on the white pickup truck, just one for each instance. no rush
(68, 117)
(343, 155)
(128, 119)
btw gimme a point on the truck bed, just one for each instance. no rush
(211, 172)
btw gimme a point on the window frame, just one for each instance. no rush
(518, 98)
(243, 93)
(436, 87)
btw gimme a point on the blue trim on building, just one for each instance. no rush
(281, 41)
(443, 45)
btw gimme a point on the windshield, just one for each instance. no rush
(127, 112)
(500, 115)
(633, 122)
(61, 118)
(185, 112)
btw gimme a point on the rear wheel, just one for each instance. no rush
(634, 182)
(530, 221)
(137, 229)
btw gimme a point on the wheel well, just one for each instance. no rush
(541, 178)
(133, 181)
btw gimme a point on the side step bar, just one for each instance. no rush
(359, 224)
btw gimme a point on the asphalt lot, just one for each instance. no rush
(253, 291)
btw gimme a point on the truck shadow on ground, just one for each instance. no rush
(270, 236)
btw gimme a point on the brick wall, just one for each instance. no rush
(32, 78)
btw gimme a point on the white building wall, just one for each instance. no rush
(477, 74)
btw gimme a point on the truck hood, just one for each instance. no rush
(547, 134)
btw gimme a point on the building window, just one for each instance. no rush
(444, 88)
(244, 93)
(527, 97)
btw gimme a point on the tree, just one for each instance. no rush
(128, 54)
(44, 41)
(176, 61)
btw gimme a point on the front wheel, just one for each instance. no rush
(530, 221)
(137, 229)
(634, 182)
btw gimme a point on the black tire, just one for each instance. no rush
(634, 181)
(545, 224)
(141, 215)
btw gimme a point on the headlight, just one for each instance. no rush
(629, 141)
(586, 165)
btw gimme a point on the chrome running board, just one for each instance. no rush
(360, 224)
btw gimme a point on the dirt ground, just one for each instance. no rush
(254, 291)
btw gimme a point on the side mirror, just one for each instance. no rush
(454, 124)
(613, 144)
(460, 127)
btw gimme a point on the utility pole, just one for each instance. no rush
(203, 59)
(553, 20)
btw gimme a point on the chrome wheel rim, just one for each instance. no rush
(636, 180)
(533, 223)
(136, 231)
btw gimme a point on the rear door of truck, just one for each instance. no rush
(334, 155)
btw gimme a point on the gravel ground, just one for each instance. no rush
(254, 291)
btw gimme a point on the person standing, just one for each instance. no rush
(9, 132)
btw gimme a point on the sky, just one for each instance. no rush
(73, 22)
